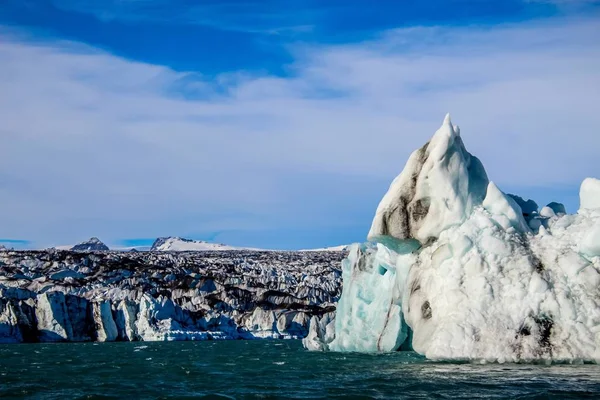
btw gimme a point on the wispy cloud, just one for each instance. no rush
(136, 242)
(571, 3)
(95, 144)
(233, 15)
(14, 241)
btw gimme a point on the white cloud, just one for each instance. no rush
(94, 144)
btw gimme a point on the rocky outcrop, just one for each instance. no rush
(52, 296)
(94, 244)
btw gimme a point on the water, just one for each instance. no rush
(268, 369)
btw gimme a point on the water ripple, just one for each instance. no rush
(258, 369)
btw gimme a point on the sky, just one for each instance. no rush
(278, 124)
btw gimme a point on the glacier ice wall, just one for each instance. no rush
(488, 281)
(57, 296)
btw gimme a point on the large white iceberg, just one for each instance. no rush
(461, 271)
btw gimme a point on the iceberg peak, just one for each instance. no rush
(438, 188)
(447, 129)
(448, 119)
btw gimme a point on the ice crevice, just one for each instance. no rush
(457, 269)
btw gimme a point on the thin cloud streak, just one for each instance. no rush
(246, 17)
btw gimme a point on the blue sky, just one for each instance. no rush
(278, 124)
(213, 37)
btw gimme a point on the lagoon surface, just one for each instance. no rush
(268, 369)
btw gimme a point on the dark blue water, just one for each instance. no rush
(268, 369)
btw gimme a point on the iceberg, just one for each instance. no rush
(459, 270)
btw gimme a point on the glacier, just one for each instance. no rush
(456, 269)
(105, 296)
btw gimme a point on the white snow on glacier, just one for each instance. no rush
(342, 247)
(488, 280)
(181, 244)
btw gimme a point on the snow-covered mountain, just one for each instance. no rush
(343, 247)
(93, 244)
(176, 243)
(457, 269)
(173, 243)
(181, 244)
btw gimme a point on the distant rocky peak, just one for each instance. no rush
(93, 244)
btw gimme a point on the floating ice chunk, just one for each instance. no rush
(589, 194)
(439, 187)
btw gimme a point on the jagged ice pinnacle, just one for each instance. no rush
(459, 270)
